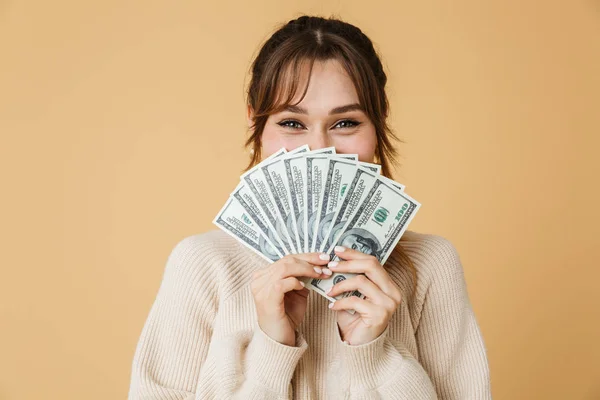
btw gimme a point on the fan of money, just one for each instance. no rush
(313, 200)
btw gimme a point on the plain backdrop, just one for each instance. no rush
(122, 126)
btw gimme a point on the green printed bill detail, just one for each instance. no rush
(370, 166)
(340, 173)
(306, 200)
(257, 182)
(244, 197)
(234, 220)
(354, 193)
(279, 191)
(295, 170)
(316, 171)
(379, 222)
(316, 168)
(376, 226)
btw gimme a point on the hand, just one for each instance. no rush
(280, 297)
(382, 296)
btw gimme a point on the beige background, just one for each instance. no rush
(122, 126)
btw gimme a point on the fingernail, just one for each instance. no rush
(329, 291)
(346, 342)
(332, 264)
(330, 305)
(317, 270)
(339, 249)
(327, 271)
(302, 283)
(323, 256)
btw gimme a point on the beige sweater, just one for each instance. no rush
(201, 339)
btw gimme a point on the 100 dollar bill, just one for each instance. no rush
(234, 220)
(302, 200)
(340, 173)
(316, 168)
(375, 228)
(244, 197)
(257, 183)
(379, 222)
(295, 169)
(279, 190)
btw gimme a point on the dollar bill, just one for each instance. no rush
(370, 166)
(380, 220)
(234, 220)
(279, 190)
(295, 169)
(353, 157)
(248, 193)
(316, 171)
(361, 182)
(375, 228)
(377, 169)
(244, 197)
(340, 173)
(311, 200)
(316, 168)
(257, 183)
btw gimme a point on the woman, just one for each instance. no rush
(227, 324)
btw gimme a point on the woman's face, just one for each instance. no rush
(329, 115)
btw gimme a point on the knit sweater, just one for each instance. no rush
(201, 339)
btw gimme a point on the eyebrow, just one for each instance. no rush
(337, 110)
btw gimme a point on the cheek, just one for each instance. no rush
(363, 145)
(272, 140)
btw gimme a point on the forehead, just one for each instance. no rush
(329, 86)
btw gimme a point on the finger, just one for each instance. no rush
(259, 273)
(315, 258)
(365, 286)
(281, 287)
(260, 277)
(297, 268)
(350, 254)
(361, 306)
(373, 270)
(304, 292)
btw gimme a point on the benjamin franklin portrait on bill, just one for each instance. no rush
(361, 240)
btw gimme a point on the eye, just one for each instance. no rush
(295, 125)
(350, 123)
(289, 123)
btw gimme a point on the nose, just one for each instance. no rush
(319, 140)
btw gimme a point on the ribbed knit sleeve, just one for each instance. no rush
(201, 339)
(179, 356)
(451, 346)
(382, 369)
(452, 357)
(175, 338)
(272, 363)
(249, 365)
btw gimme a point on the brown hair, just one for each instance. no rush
(299, 43)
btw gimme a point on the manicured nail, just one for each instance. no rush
(323, 256)
(330, 305)
(318, 270)
(332, 264)
(302, 283)
(346, 342)
(339, 249)
(327, 271)
(329, 291)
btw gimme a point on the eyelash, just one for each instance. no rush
(353, 122)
